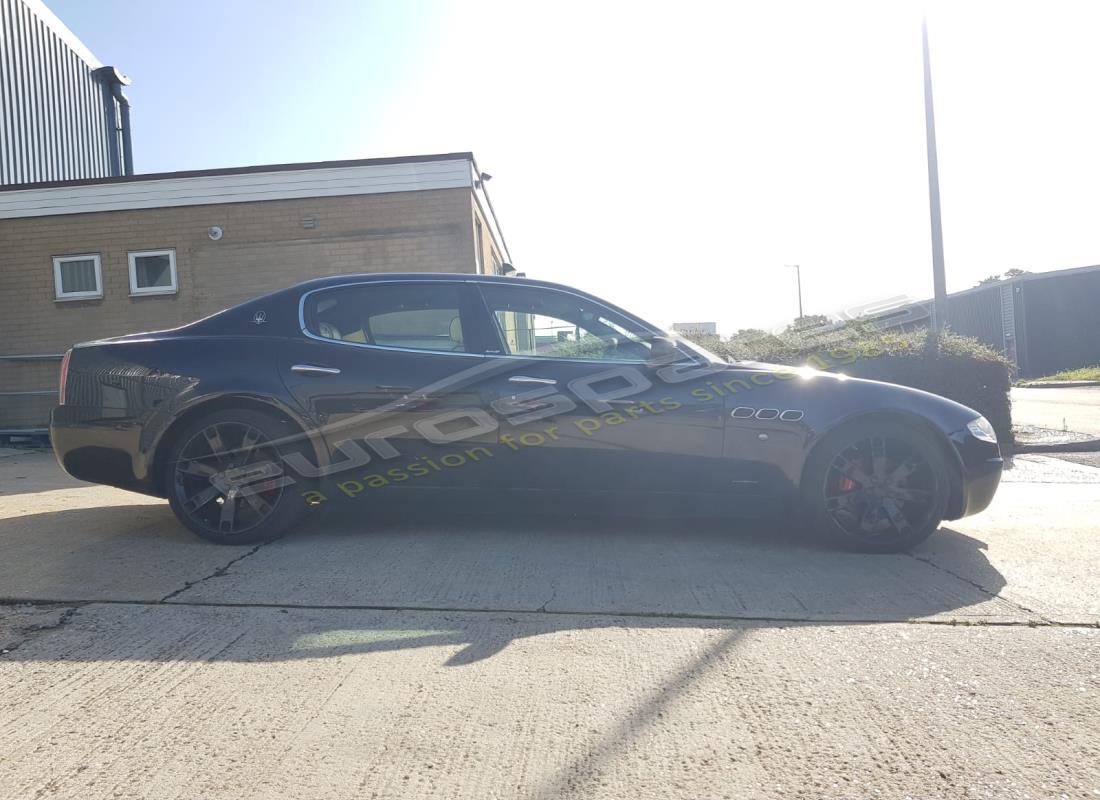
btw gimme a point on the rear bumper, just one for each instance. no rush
(98, 450)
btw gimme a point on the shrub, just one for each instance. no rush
(960, 368)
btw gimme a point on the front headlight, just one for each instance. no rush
(981, 429)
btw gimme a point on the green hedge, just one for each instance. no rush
(960, 368)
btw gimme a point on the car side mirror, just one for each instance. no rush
(663, 351)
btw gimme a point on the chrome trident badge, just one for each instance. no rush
(259, 318)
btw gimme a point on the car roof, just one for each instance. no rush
(299, 289)
(385, 277)
(286, 303)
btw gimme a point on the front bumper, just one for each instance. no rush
(980, 484)
(982, 465)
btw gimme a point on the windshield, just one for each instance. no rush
(685, 343)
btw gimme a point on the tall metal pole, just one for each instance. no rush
(798, 272)
(939, 279)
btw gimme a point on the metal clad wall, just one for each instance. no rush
(978, 314)
(52, 121)
(1061, 321)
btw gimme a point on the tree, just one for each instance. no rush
(990, 279)
(748, 334)
(808, 322)
(1016, 273)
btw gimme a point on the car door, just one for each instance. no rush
(580, 408)
(389, 372)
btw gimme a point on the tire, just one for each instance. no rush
(224, 477)
(876, 487)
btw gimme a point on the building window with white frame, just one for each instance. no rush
(152, 272)
(77, 277)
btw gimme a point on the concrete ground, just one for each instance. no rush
(1089, 459)
(442, 656)
(1075, 409)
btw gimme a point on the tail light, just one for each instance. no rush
(64, 375)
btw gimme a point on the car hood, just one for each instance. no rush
(863, 394)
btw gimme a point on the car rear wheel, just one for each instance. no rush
(226, 479)
(877, 487)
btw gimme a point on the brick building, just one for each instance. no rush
(82, 260)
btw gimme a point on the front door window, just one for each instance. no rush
(545, 323)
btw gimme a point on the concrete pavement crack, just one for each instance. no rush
(1043, 622)
(23, 634)
(994, 595)
(551, 599)
(219, 572)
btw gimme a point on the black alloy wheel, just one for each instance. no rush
(877, 487)
(227, 480)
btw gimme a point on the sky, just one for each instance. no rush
(670, 157)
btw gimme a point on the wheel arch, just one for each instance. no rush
(914, 422)
(211, 405)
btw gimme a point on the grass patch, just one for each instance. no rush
(1082, 374)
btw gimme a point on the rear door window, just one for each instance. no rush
(414, 315)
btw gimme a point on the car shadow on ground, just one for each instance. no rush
(344, 584)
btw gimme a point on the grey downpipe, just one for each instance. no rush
(118, 120)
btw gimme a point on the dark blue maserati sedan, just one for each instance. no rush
(408, 386)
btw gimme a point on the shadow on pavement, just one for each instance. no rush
(115, 552)
(417, 579)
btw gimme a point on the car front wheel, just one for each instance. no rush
(876, 486)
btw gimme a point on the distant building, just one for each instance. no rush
(696, 327)
(89, 259)
(63, 115)
(1043, 322)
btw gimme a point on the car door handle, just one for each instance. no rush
(539, 381)
(313, 369)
